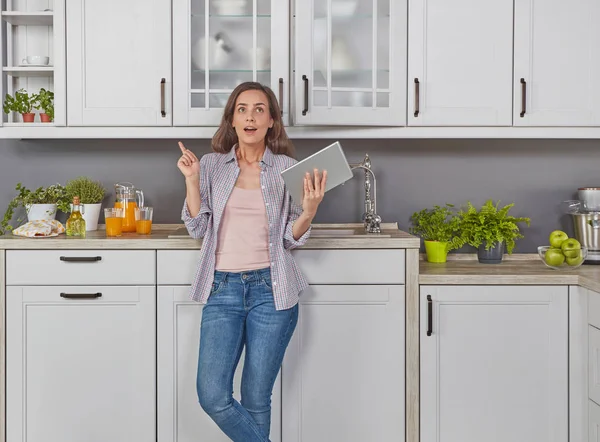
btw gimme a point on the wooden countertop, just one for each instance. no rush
(390, 238)
(522, 269)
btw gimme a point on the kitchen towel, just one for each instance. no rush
(40, 229)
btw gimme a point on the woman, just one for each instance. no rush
(237, 201)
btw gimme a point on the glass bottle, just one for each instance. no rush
(76, 224)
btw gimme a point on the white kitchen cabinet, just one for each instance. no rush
(350, 63)
(218, 45)
(494, 363)
(34, 27)
(460, 63)
(81, 363)
(119, 62)
(555, 73)
(180, 417)
(594, 422)
(343, 372)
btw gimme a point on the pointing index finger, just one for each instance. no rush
(182, 147)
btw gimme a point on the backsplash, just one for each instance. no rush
(411, 174)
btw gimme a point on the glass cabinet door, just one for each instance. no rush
(350, 62)
(218, 44)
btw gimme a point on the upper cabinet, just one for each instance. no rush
(557, 63)
(33, 35)
(350, 62)
(119, 62)
(460, 62)
(218, 44)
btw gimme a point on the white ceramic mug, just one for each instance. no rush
(36, 59)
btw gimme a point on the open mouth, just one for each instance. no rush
(250, 130)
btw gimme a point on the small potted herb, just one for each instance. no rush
(21, 103)
(91, 193)
(439, 228)
(490, 229)
(45, 100)
(40, 203)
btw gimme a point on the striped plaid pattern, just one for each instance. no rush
(219, 173)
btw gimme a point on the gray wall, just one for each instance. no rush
(412, 174)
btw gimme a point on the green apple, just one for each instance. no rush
(575, 261)
(554, 257)
(557, 237)
(570, 248)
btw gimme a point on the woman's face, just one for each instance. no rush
(251, 117)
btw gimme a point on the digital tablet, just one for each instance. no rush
(331, 159)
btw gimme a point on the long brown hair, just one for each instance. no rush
(276, 139)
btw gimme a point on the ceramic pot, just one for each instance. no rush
(91, 213)
(36, 212)
(437, 251)
(491, 256)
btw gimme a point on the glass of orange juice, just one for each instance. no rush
(113, 218)
(143, 220)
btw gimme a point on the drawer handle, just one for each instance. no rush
(163, 111)
(523, 97)
(305, 110)
(429, 315)
(81, 295)
(80, 258)
(281, 95)
(417, 84)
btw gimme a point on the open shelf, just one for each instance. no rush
(35, 124)
(17, 71)
(28, 18)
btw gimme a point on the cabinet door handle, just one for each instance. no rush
(163, 111)
(305, 110)
(523, 97)
(417, 84)
(429, 315)
(281, 96)
(80, 258)
(80, 295)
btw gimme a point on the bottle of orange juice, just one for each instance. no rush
(128, 198)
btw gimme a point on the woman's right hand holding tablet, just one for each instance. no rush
(188, 163)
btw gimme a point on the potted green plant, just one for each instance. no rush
(91, 193)
(439, 228)
(40, 203)
(490, 229)
(21, 103)
(45, 100)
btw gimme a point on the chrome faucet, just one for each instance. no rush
(370, 217)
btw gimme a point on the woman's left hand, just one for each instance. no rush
(313, 192)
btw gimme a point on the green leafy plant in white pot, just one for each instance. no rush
(40, 204)
(440, 229)
(91, 193)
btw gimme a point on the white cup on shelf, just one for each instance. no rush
(36, 60)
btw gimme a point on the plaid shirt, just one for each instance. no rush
(218, 175)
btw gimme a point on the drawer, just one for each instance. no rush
(80, 267)
(352, 266)
(177, 267)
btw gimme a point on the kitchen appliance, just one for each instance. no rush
(586, 224)
(128, 198)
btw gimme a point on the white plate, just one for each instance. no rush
(35, 65)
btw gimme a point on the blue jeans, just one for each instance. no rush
(241, 311)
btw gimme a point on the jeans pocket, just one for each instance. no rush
(266, 280)
(217, 286)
